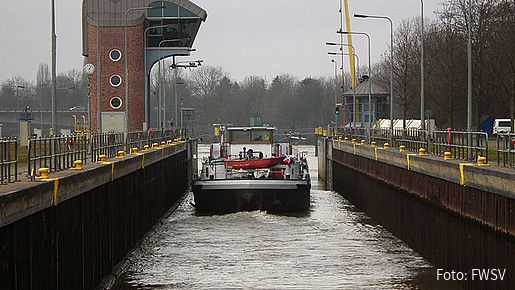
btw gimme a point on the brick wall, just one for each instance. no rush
(113, 38)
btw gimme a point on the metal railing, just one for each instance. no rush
(106, 144)
(381, 136)
(56, 152)
(462, 145)
(506, 149)
(8, 160)
(136, 139)
(356, 133)
(413, 139)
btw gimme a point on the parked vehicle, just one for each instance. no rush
(502, 126)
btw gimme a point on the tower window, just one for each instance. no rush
(115, 80)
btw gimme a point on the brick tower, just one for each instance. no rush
(122, 40)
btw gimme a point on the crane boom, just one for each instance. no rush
(349, 40)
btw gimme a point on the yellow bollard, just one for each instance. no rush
(43, 173)
(481, 161)
(374, 144)
(346, 139)
(163, 143)
(77, 165)
(121, 154)
(134, 150)
(169, 142)
(402, 148)
(145, 148)
(422, 152)
(155, 145)
(353, 141)
(386, 146)
(363, 142)
(447, 155)
(101, 158)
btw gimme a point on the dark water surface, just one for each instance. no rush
(333, 245)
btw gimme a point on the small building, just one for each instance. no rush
(380, 105)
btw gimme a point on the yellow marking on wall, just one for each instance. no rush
(354, 148)
(462, 172)
(56, 190)
(142, 161)
(408, 162)
(112, 172)
(375, 152)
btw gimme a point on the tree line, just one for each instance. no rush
(446, 70)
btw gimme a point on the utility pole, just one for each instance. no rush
(469, 86)
(54, 78)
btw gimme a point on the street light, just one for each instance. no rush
(147, 104)
(126, 52)
(422, 73)
(161, 94)
(336, 89)
(54, 77)
(356, 58)
(469, 85)
(369, 76)
(174, 66)
(391, 65)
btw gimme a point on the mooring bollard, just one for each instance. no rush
(422, 152)
(134, 150)
(481, 161)
(101, 158)
(43, 173)
(121, 154)
(402, 148)
(447, 155)
(386, 146)
(374, 144)
(77, 165)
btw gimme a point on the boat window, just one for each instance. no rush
(240, 136)
(261, 135)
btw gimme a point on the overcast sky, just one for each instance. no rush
(244, 37)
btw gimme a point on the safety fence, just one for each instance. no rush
(107, 144)
(411, 139)
(8, 160)
(56, 153)
(506, 149)
(461, 145)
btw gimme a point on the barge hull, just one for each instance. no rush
(229, 196)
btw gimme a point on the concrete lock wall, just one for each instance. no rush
(479, 193)
(72, 238)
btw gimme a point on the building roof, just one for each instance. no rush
(363, 88)
(112, 13)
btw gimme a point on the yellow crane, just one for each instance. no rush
(349, 40)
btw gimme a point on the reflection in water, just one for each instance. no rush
(334, 245)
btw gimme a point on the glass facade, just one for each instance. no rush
(181, 24)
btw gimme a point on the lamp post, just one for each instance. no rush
(422, 64)
(54, 77)
(469, 81)
(391, 65)
(369, 77)
(174, 66)
(161, 93)
(147, 103)
(356, 59)
(336, 90)
(126, 52)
